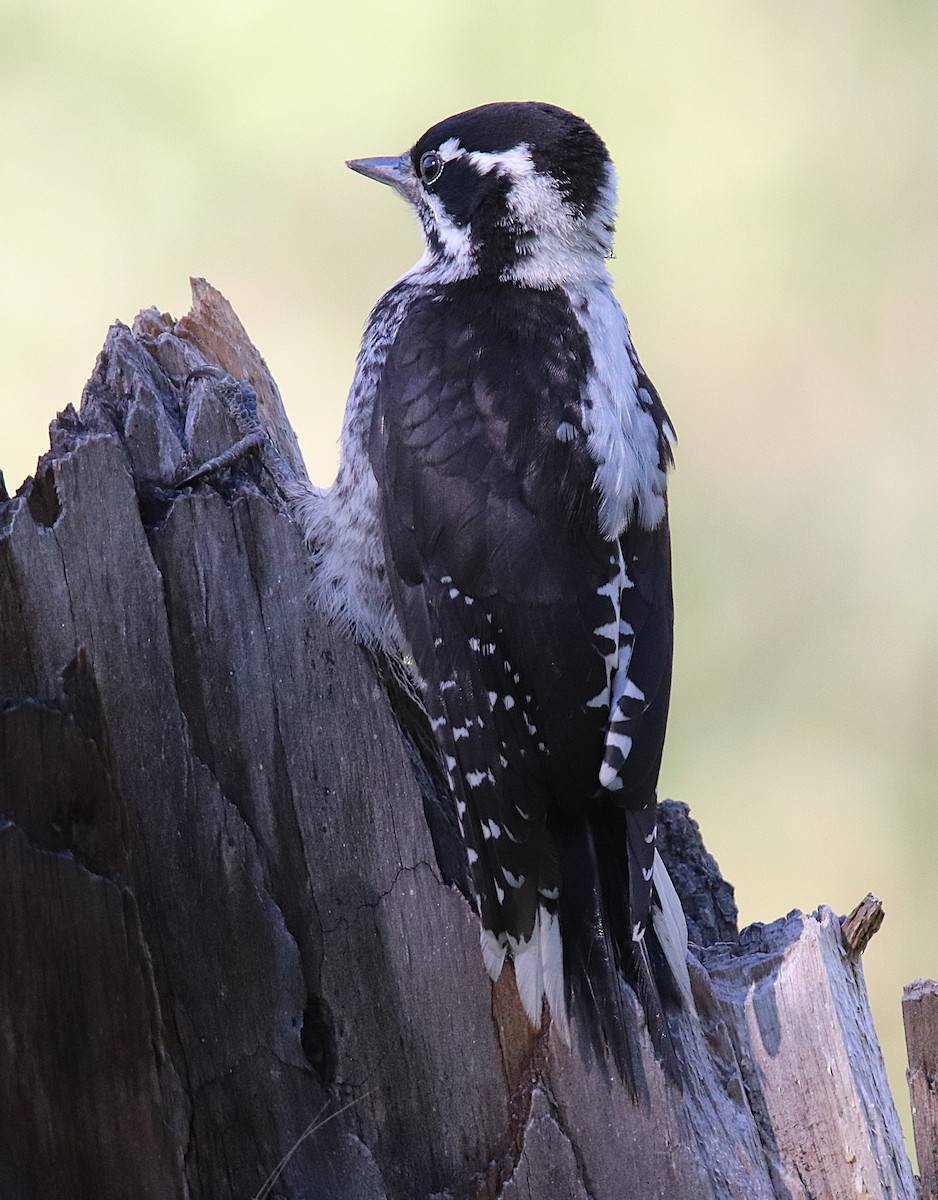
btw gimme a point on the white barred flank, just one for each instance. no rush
(623, 435)
(340, 523)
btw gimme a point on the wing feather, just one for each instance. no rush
(544, 649)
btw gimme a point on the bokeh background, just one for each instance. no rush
(778, 257)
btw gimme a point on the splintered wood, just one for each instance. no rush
(861, 925)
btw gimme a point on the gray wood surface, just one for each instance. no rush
(920, 1017)
(225, 928)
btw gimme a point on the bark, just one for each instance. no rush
(231, 923)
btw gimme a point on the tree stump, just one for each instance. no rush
(226, 936)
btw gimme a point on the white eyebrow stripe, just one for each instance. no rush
(451, 149)
(517, 161)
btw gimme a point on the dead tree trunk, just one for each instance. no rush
(224, 930)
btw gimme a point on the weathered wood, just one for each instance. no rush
(858, 927)
(223, 917)
(799, 1017)
(215, 330)
(920, 1017)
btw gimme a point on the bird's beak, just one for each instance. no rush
(396, 172)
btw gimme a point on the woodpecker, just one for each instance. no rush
(500, 521)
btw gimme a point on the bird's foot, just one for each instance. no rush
(239, 400)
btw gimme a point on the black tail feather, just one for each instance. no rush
(600, 955)
(592, 977)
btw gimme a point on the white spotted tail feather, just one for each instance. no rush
(670, 926)
(538, 964)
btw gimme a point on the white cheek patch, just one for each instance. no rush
(534, 200)
(557, 245)
(454, 239)
(564, 246)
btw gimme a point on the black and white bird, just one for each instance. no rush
(500, 519)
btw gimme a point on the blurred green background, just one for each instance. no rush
(777, 256)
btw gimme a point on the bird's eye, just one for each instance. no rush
(431, 167)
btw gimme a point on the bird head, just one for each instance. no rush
(524, 192)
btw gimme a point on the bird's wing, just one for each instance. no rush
(507, 593)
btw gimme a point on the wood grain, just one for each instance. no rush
(920, 1017)
(225, 923)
